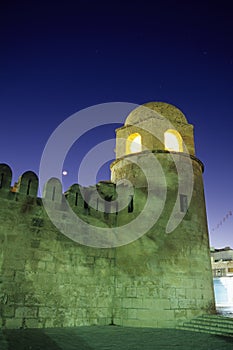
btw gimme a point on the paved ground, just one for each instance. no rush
(112, 338)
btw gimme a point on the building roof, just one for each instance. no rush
(221, 249)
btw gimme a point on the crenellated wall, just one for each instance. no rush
(48, 280)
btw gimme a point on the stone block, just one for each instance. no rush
(163, 304)
(34, 323)
(14, 323)
(50, 267)
(148, 303)
(180, 314)
(41, 265)
(187, 304)
(8, 311)
(132, 313)
(45, 312)
(131, 292)
(128, 302)
(142, 292)
(120, 313)
(26, 311)
(180, 293)
(174, 303)
(137, 303)
(193, 293)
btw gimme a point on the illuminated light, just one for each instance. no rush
(173, 141)
(64, 172)
(134, 143)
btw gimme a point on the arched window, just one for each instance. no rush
(173, 141)
(134, 143)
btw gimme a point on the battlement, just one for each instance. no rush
(27, 184)
(97, 201)
(105, 202)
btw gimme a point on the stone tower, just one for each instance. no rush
(170, 264)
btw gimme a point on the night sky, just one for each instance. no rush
(60, 57)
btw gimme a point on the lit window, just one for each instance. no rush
(173, 141)
(134, 143)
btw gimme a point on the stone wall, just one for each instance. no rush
(48, 280)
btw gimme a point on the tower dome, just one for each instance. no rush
(155, 126)
(172, 113)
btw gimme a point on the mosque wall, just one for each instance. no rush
(48, 280)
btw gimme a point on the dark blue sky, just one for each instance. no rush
(60, 57)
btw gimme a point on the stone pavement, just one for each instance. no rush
(110, 337)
